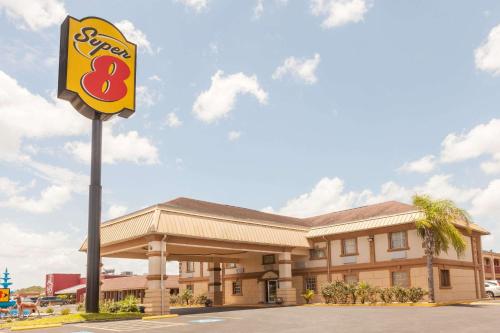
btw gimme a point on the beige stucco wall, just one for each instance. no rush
(382, 245)
(253, 292)
(462, 285)
(376, 278)
(200, 288)
(452, 254)
(363, 250)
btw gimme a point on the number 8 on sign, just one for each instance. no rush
(106, 81)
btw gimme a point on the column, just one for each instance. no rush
(285, 290)
(215, 283)
(492, 260)
(479, 253)
(153, 299)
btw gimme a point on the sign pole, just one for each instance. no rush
(94, 231)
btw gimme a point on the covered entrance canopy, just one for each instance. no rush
(190, 230)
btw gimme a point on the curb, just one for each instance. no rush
(423, 305)
(160, 317)
(34, 327)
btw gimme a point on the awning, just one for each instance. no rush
(70, 290)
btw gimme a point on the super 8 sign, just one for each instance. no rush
(96, 68)
(4, 295)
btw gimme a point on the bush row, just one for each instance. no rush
(129, 304)
(339, 292)
(187, 298)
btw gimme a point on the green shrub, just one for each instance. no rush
(335, 292)
(363, 291)
(351, 290)
(49, 310)
(129, 304)
(187, 297)
(327, 291)
(373, 295)
(65, 311)
(200, 299)
(415, 294)
(400, 294)
(175, 300)
(308, 295)
(387, 295)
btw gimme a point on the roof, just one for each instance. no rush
(361, 213)
(201, 219)
(135, 282)
(212, 208)
(70, 290)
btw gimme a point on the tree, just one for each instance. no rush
(438, 231)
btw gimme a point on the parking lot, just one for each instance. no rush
(459, 318)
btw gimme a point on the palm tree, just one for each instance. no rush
(438, 231)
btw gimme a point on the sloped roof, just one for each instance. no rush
(361, 213)
(213, 208)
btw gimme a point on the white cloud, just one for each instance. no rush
(493, 166)
(127, 147)
(219, 99)
(34, 15)
(258, 9)
(487, 56)
(135, 35)
(483, 139)
(304, 69)
(49, 252)
(233, 135)
(116, 211)
(155, 78)
(339, 12)
(197, 5)
(172, 120)
(329, 195)
(50, 199)
(147, 96)
(487, 203)
(27, 115)
(424, 165)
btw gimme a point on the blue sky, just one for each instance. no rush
(294, 107)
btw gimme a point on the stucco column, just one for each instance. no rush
(153, 299)
(492, 261)
(479, 250)
(285, 290)
(215, 283)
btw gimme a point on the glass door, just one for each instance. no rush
(272, 287)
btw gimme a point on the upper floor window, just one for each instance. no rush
(310, 283)
(349, 247)
(317, 253)
(230, 265)
(401, 278)
(486, 261)
(496, 262)
(189, 266)
(444, 278)
(268, 259)
(398, 240)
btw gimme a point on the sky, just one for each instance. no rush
(293, 107)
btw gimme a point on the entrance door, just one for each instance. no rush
(272, 287)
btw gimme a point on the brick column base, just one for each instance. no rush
(152, 301)
(288, 295)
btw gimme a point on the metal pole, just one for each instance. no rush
(94, 231)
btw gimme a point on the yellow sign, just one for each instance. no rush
(96, 68)
(4, 295)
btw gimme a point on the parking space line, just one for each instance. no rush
(128, 326)
(209, 316)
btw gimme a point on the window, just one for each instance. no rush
(180, 267)
(397, 240)
(351, 279)
(444, 278)
(349, 247)
(190, 287)
(310, 283)
(189, 266)
(401, 279)
(317, 253)
(496, 262)
(268, 259)
(237, 287)
(231, 265)
(486, 261)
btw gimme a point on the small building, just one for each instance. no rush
(491, 265)
(237, 255)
